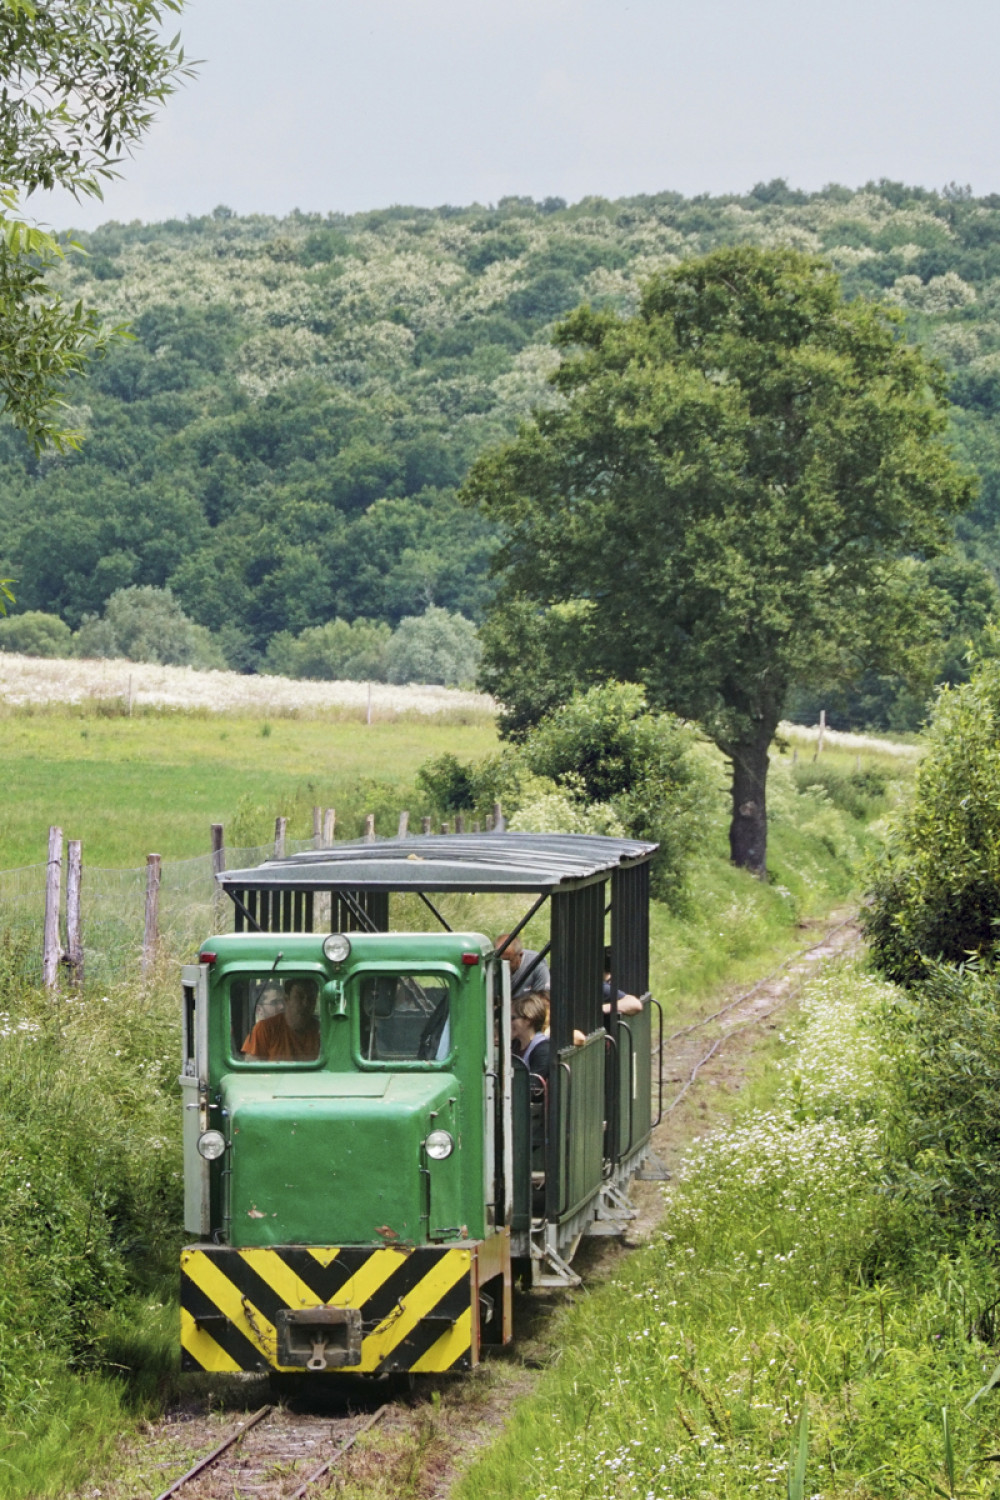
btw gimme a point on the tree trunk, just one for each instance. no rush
(748, 829)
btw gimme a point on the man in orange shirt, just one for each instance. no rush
(293, 1034)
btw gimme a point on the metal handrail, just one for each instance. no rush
(607, 1172)
(659, 1055)
(566, 1133)
(624, 1026)
(497, 1121)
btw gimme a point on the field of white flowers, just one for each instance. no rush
(40, 680)
(806, 736)
(787, 1308)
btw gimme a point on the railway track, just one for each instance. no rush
(278, 1454)
(275, 1454)
(766, 989)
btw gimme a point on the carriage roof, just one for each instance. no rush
(449, 862)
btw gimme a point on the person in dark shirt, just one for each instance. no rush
(628, 1005)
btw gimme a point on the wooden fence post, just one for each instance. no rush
(425, 825)
(822, 732)
(151, 935)
(51, 951)
(499, 824)
(444, 828)
(489, 822)
(218, 866)
(459, 823)
(475, 826)
(280, 829)
(317, 827)
(404, 825)
(329, 826)
(369, 828)
(74, 931)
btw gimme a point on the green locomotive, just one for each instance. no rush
(366, 1167)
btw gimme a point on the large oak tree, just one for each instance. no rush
(731, 496)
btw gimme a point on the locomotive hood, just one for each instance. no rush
(338, 1158)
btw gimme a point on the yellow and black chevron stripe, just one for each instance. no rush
(417, 1305)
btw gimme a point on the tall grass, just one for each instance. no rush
(90, 1196)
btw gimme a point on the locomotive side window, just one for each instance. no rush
(274, 1020)
(405, 1018)
(189, 1066)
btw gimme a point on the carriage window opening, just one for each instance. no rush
(274, 1020)
(405, 1018)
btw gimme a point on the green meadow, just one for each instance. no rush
(78, 1372)
(156, 781)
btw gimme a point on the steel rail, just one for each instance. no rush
(737, 1030)
(209, 1459)
(336, 1457)
(748, 994)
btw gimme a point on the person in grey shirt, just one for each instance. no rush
(524, 979)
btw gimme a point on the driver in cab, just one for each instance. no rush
(293, 1034)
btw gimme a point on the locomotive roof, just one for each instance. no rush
(449, 862)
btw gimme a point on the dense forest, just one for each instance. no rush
(281, 440)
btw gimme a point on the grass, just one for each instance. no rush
(173, 773)
(156, 781)
(791, 1331)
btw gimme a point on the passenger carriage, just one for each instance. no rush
(364, 1208)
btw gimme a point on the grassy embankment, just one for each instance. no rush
(89, 1197)
(789, 1314)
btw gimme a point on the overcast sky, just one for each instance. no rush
(352, 104)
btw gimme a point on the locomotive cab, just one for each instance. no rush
(362, 1171)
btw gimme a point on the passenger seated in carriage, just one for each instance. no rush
(528, 1015)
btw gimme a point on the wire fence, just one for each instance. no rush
(112, 940)
(113, 913)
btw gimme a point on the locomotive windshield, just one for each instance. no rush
(274, 1020)
(405, 1018)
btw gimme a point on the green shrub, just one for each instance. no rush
(338, 651)
(605, 746)
(35, 633)
(557, 812)
(602, 763)
(143, 623)
(447, 783)
(436, 647)
(936, 889)
(89, 1174)
(943, 1051)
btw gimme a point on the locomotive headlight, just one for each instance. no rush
(337, 948)
(439, 1145)
(211, 1144)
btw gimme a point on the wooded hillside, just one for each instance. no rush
(282, 440)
